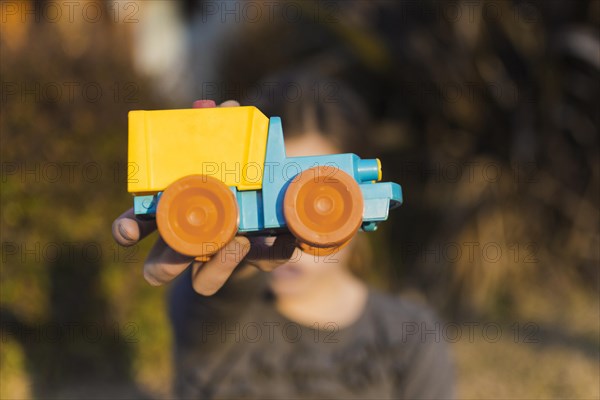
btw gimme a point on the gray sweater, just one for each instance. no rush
(236, 345)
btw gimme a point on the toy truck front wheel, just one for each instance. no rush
(323, 208)
(197, 215)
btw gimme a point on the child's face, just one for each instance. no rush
(305, 271)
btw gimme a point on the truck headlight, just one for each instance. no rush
(369, 170)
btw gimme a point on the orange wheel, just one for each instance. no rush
(197, 215)
(323, 209)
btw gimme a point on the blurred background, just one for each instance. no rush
(486, 112)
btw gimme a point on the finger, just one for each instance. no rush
(267, 253)
(209, 277)
(128, 229)
(164, 264)
(230, 103)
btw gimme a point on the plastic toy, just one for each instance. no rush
(209, 173)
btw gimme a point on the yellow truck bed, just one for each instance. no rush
(226, 143)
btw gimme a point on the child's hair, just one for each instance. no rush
(313, 103)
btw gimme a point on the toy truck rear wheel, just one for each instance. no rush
(323, 208)
(197, 215)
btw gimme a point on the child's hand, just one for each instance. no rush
(164, 264)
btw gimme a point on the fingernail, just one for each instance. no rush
(204, 104)
(125, 233)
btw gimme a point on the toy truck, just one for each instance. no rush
(207, 174)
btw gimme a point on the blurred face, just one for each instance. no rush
(304, 271)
